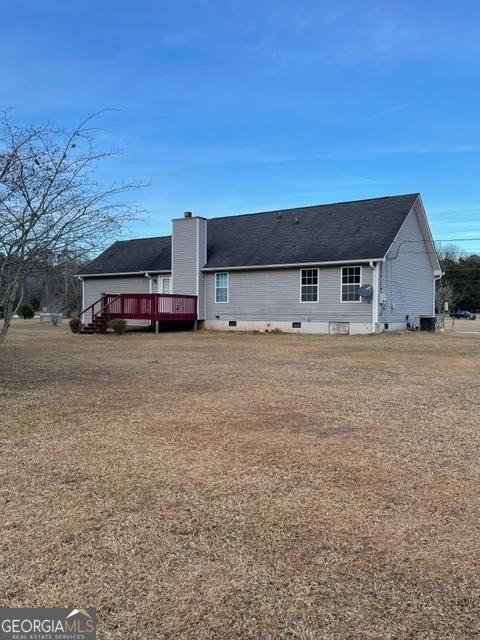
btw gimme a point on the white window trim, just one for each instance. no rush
(228, 287)
(349, 266)
(318, 286)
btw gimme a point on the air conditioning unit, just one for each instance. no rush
(427, 323)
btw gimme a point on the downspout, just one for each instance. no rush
(440, 311)
(81, 317)
(374, 268)
(147, 275)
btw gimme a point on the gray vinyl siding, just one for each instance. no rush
(184, 258)
(189, 249)
(274, 295)
(202, 259)
(94, 287)
(407, 279)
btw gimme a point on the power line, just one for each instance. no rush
(463, 255)
(441, 240)
(462, 269)
(450, 240)
(463, 232)
(399, 250)
(441, 213)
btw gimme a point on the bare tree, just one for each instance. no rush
(56, 286)
(51, 204)
(446, 295)
(449, 251)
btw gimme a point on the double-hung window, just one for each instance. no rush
(309, 285)
(221, 287)
(351, 282)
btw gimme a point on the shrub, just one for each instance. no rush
(35, 302)
(75, 325)
(118, 325)
(26, 311)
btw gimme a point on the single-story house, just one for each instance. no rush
(352, 267)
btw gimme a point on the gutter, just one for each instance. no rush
(118, 273)
(293, 264)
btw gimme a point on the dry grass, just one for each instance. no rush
(209, 486)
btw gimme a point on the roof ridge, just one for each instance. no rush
(314, 206)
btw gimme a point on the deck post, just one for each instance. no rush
(157, 326)
(195, 325)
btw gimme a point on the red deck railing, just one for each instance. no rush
(149, 306)
(141, 306)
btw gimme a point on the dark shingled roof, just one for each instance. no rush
(323, 233)
(130, 256)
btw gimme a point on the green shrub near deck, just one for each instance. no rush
(75, 325)
(118, 325)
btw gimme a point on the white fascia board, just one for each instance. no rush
(429, 241)
(123, 273)
(418, 208)
(294, 264)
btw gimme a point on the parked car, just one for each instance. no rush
(465, 315)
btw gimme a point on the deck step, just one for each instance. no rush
(98, 327)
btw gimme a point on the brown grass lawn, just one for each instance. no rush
(210, 486)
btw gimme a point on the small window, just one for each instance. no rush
(221, 287)
(296, 325)
(232, 323)
(309, 285)
(351, 281)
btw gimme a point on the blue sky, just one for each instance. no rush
(234, 106)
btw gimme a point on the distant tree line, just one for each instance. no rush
(460, 285)
(52, 287)
(55, 287)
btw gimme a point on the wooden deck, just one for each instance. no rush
(150, 306)
(137, 306)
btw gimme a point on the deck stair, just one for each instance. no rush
(99, 325)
